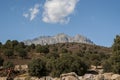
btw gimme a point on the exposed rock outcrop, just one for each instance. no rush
(59, 38)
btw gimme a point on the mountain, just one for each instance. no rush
(59, 38)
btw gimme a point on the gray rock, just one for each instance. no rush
(69, 76)
(59, 38)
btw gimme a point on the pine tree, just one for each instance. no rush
(115, 58)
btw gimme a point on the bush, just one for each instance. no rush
(65, 64)
(22, 53)
(8, 52)
(8, 65)
(37, 68)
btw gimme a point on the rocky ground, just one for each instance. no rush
(99, 75)
(70, 76)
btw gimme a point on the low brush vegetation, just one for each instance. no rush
(53, 60)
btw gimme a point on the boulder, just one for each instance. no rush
(3, 78)
(69, 76)
(107, 76)
(88, 77)
(99, 77)
(115, 77)
(56, 78)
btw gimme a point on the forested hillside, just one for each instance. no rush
(18, 50)
(57, 58)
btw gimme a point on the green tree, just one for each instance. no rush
(42, 49)
(52, 55)
(45, 49)
(51, 67)
(37, 68)
(8, 52)
(1, 61)
(14, 43)
(65, 64)
(78, 66)
(95, 58)
(64, 50)
(107, 66)
(0, 44)
(8, 44)
(37, 49)
(19, 46)
(32, 46)
(8, 64)
(22, 53)
(115, 59)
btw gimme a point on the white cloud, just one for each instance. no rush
(32, 13)
(58, 11)
(25, 15)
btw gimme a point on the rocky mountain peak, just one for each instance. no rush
(59, 38)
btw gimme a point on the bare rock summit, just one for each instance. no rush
(59, 38)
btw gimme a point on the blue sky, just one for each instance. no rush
(99, 20)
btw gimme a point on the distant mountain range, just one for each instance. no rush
(59, 38)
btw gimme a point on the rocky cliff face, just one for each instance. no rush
(59, 38)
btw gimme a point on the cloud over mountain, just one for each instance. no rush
(58, 11)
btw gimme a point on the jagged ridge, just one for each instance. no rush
(59, 38)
